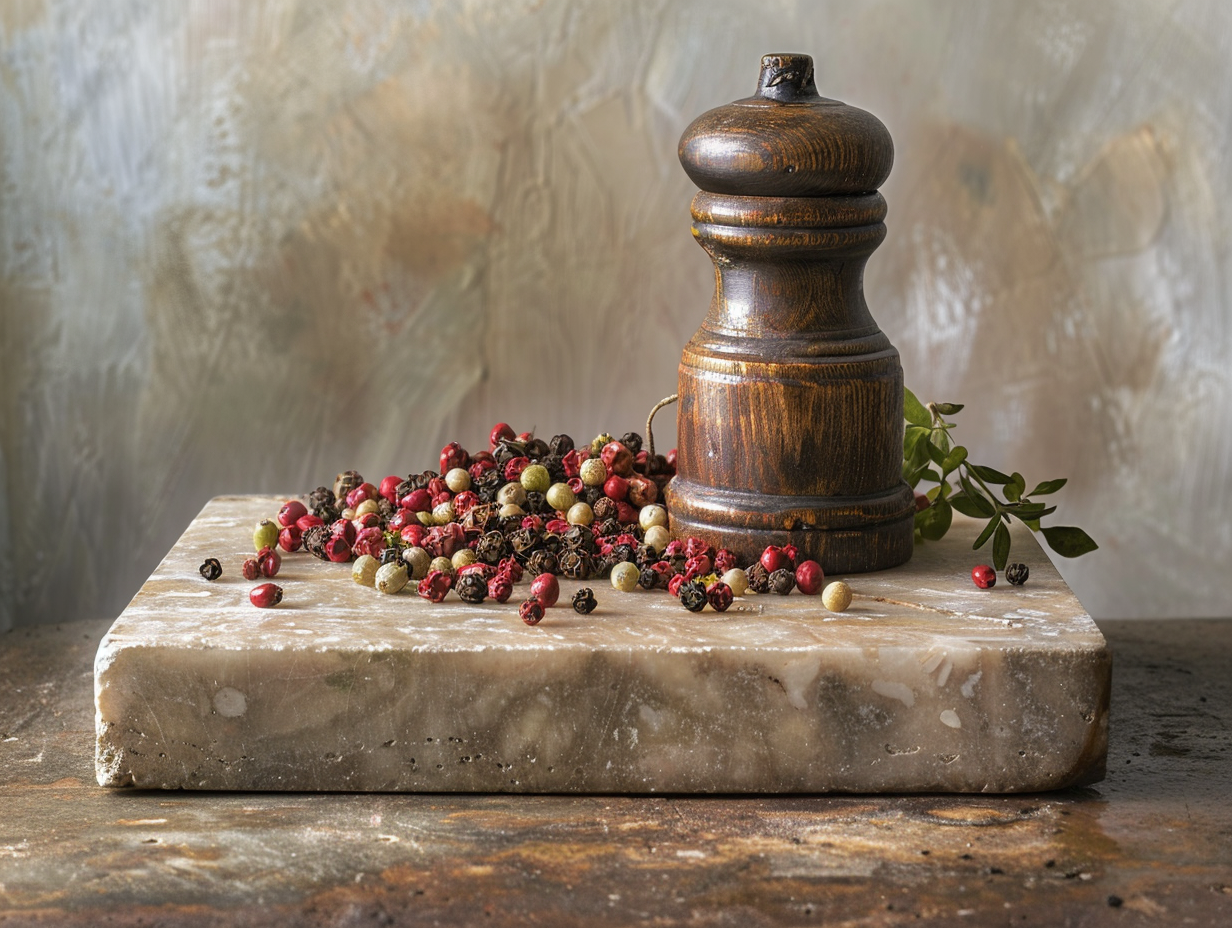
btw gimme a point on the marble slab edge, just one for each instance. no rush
(926, 685)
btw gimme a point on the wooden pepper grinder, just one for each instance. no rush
(791, 399)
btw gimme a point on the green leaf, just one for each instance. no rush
(911, 440)
(975, 493)
(1015, 488)
(974, 506)
(948, 409)
(936, 452)
(1048, 486)
(935, 521)
(1069, 541)
(988, 475)
(914, 411)
(987, 533)
(1000, 546)
(1032, 524)
(957, 455)
(1029, 510)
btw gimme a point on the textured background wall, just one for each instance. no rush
(244, 245)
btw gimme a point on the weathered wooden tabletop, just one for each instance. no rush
(1151, 845)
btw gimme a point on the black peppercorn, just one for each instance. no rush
(537, 504)
(648, 578)
(1017, 574)
(622, 554)
(581, 538)
(315, 539)
(575, 564)
(602, 566)
(491, 548)
(560, 444)
(523, 541)
(759, 578)
(327, 513)
(604, 508)
(211, 569)
(556, 468)
(584, 601)
(693, 595)
(385, 509)
(536, 449)
(391, 555)
(632, 441)
(542, 562)
(345, 482)
(507, 450)
(471, 588)
(646, 555)
(591, 496)
(321, 496)
(609, 527)
(782, 581)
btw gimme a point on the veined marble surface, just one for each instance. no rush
(927, 683)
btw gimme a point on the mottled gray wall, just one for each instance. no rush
(244, 245)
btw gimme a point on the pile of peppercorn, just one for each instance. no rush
(525, 506)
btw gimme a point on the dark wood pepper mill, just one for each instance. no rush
(791, 399)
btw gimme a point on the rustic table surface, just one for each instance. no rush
(1152, 844)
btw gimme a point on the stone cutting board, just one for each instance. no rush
(926, 684)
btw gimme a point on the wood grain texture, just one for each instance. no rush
(790, 417)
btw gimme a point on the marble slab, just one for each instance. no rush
(925, 684)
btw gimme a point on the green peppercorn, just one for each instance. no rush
(265, 535)
(443, 564)
(592, 472)
(560, 497)
(418, 562)
(536, 479)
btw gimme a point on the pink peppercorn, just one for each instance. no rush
(773, 558)
(617, 458)
(417, 501)
(479, 468)
(625, 514)
(500, 588)
(437, 486)
(291, 512)
(642, 491)
(510, 567)
(695, 546)
(557, 526)
(265, 595)
(531, 612)
(616, 487)
(400, 520)
(674, 584)
(793, 555)
(572, 463)
(575, 484)
(514, 468)
(983, 576)
(290, 538)
(464, 502)
(546, 589)
(441, 498)
(435, 586)
(413, 535)
(502, 431)
(362, 493)
(453, 455)
(389, 488)
(696, 567)
(533, 523)
(675, 548)
(719, 595)
(268, 562)
(312, 520)
(250, 569)
(344, 529)
(810, 578)
(369, 541)
(338, 549)
(367, 520)
(724, 560)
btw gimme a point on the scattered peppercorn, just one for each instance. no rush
(472, 588)
(719, 595)
(1017, 574)
(584, 601)
(211, 569)
(265, 595)
(546, 589)
(531, 612)
(625, 576)
(759, 578)
(250, 569)
(810, 577)
(268, 562)
(983, 576)
(836, 596)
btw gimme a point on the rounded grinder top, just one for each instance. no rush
(787, 140)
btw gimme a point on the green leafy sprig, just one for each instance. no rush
(930, 456)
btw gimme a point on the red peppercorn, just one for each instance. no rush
(268, 562)
(642, 491)
(572, 463)
(510, 568)
(367, 520)
(514, 468)
(983, 576)
(546, 589)
(400, 520)
(344, 529)
(338, 549)
(617, 458)
(696, 546)
(265, 595)
(616, 488)
(464, 502)
(502, 431)
(671, 460)
(675, 548)
(810, 578)
(362, 493)
(291, 512)
(435, 586)
(531, 612)
(922, 502)
(479, 468)
(575, 484)
(774, 558)
(290, 538)
(674, 584)
(500, 588)
(369, 541)
(487, 571)
(312, 520)
(625, 514)
(453, 455)
(719, 595)
(250, 569)
(793, 555)
(417, 501)
(696, 567)
(389, 488)
(441, 498)
(724, 560)
(437, 486)
(413, 535)
(557, 527)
